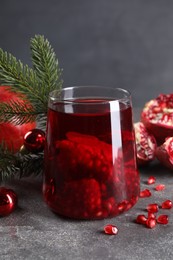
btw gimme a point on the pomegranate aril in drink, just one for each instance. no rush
(110, 229)
(160, 187)
(167, 204)
(151, 180)
(145, 193)
(152, 208)
(162, 219)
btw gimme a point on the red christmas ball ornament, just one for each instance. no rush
(11, 134)
(8, 201)
(34, 140)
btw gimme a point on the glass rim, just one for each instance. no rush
(55, 95)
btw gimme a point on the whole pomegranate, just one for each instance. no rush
(157, 117)
(11, 134)
(145, 144)
(164, 153)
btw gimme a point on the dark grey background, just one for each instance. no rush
(119, 43)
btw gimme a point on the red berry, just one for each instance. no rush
(145, 193)
(162, 219)
(152, 208)
(110, 229)
(160, 187)
(167, 204)
(151, 180)
(141, 219)
(151, 222)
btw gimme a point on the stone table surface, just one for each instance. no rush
(33, 231)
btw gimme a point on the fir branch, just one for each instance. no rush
(31, 164)
(45, 65)
(8, 164)
(17, 112)
(21, 78)
(16, 166)
(34, 83)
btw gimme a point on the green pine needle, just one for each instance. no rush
(35, 84)
(17, 112)
(18, 165)
(45, 65)
(21, 78)
(8, 164)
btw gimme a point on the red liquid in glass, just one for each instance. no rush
(90, 161)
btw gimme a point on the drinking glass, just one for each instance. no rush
(90, 155)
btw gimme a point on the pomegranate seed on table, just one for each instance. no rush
(145, 193)
(151, 180)
(162, 219)
(167, 204)
(110, 229)
(151, 215)
(141, 219)
(153, 208)
(151, 222)
(160, 187)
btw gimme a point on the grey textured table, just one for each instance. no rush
(32, 231)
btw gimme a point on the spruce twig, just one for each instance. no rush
(35, 84)
(8, 164)
(45, 65)
(18, 165)
(17, 112)
(21, 78)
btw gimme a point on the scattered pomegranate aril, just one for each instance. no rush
(141, 219)
(145, 193)
(153, 208)
(151, 180)
(151, 222)
(145, 144)
(151, 215)
(110, 229)
(160, 187)
(167, 204)
(162, 219)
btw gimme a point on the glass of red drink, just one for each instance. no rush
(90, 154)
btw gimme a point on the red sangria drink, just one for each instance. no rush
(90, 157)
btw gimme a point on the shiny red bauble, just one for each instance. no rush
(11, 134)
(34, 140)
(8, 201)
